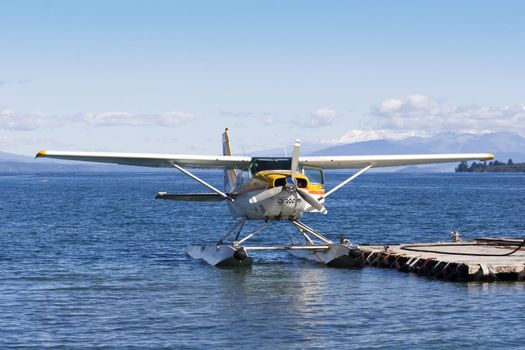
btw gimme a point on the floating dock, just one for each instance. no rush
(484, 259)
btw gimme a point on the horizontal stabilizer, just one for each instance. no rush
(191, 197)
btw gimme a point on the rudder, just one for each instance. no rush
(230, 175)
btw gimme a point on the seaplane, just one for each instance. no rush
(267, 189)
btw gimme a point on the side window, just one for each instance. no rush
(243, 177)
(314, 175)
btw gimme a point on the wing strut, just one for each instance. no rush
(347, 180)
(201, 181)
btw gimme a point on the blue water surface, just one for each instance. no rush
(93, 260)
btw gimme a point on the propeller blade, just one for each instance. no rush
(312, 201)
(295, 158)
(266, 194)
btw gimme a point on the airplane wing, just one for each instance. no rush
(354, 162)
(242, 162)
(152, 160)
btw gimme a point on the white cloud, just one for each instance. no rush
(268, 120)
(173, 118)
(17, 82)
(110, 118)
(418, 115)
(237, 114)
(127, 119)
(359, 135)
(5, 142)
(23, 81)
(11, 120)
(424, 114)
(321, 117)
(391, 104)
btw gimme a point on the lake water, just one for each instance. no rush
(92, 260)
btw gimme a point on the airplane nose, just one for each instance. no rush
(289, 201)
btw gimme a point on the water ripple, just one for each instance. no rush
(94, 261)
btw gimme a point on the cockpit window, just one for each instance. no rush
(262, 164)
(314, 175)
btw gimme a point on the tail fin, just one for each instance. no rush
(230, 175)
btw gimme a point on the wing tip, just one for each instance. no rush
(40, 154)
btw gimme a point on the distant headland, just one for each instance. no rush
(491, 167)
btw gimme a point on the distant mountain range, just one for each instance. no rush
(504, 146)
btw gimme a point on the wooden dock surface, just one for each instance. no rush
(478, 260)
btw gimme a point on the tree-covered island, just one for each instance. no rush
(490, 167)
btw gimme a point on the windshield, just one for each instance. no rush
(262, 164)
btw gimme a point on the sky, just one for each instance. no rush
(169, 76)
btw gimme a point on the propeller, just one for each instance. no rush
(266, 194)
(312, 200)
(291, 186)
(304, 194)
(295, 159)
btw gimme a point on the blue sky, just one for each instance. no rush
(168, 76)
